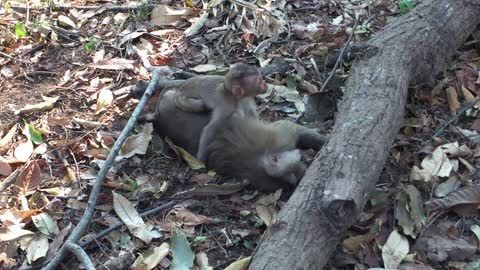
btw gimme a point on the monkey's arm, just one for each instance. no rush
(309, 138)
(219, 115)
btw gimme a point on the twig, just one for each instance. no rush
(216, 240)
(80, 254)
(339, 58)
(92, 200)
(35, 73)
(117, 226)
(453, 119)
(31, 51)
(10, 179)
(337, 63)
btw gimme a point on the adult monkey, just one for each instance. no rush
(264, 153)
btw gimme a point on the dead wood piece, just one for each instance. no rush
(412, 49)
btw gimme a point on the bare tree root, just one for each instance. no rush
(334, 190)
(71, 243)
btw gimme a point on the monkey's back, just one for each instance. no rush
(202, 87)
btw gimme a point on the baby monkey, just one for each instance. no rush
(221, 95)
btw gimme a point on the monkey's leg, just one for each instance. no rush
(190, 104)
(309, 138)
(306, 138)
(208, 133)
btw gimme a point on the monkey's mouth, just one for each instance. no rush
(264, 88)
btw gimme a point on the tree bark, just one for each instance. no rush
(335, 188)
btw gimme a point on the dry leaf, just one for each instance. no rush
(204, 68)
(468, 196)
(17, 217)
(130, 217)
(438, 164)
(165, 15)
(394, 250)
(38, 248)
(114, 64)
(23, 151)
(192, 162)
(98, 56)
(152, 257)
(104, 100)
(5, 168)
(138, 143)
(452, 98)
(199, 23)
(31, 177)
(13, 232)
(185, 216)
(6, 141)
(202, 261)
(66, 21)
(241, 264)
(58, 241)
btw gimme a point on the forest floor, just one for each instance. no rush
(70, 63)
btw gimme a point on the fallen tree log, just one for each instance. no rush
(412, 49)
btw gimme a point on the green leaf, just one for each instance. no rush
(416, 207)
(472, 266)
(182, 254)
(291, 82)
(406, 5)
(45, 25)
(91, 44)
(403, 216)
(248, 244)
(20, 29)
(32, 134)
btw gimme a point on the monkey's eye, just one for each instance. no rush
(275, 158)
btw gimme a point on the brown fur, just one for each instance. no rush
(219, 94)
(236, 148)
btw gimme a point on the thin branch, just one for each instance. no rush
(117, 226)
(82, 225)
(10, 179)
(339, 58)
(337, 63)
(453, 119)
(80, 254)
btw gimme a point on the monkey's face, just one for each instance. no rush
(255, 85)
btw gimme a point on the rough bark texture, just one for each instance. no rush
(335, 188)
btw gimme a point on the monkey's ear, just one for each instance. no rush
(238, 91)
